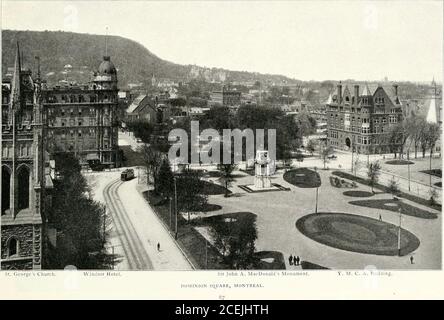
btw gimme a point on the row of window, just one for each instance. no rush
(78, 122)
(79, 98)
(75, 111)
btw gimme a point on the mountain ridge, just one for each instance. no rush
(84, 51)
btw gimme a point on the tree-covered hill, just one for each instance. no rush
(84, 52)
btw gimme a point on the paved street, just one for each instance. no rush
(136, 229)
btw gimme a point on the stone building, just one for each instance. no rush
(24, 181)
(360, 120)
(225, 97)
(83, 118)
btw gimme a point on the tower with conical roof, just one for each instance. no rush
(105, 87)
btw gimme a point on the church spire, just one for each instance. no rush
(16, 81)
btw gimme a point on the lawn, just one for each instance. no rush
(189, 239)
(306, 265)
(358, 194)
(433, 172)
(405, 195)
(212, 188)
(393, 205)
(356, 233)
(303, 178)
(399, 162)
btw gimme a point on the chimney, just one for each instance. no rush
(396, 89)
(339, 92)
(356, 93)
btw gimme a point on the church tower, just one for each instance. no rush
(21, 172)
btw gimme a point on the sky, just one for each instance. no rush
(316, 40)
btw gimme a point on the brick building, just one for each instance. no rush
(83, 118)
(225, 97)
(361, 119)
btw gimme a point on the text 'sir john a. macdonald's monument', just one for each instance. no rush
(320, 156)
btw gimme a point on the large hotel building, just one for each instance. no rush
(360, 120)
(83, 118)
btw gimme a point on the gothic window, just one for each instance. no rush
(6, 184)
(23, 188)
(12, 247)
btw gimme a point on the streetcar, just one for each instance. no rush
(127, 174)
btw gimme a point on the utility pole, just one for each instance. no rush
(351, 146)
(399, 232)
(104, 226)
(170, 212)
(430, 169)
(175, 205)
(408, 168)
(206, 253)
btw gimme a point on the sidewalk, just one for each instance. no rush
(151, 231)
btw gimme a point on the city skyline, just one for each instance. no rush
(213, 34)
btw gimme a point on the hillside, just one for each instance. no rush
(84, 52)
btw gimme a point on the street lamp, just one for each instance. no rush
(316, 209)
(399, 231)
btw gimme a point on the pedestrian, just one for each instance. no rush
(297, 260)
(380, 217)
(158, 246)
(411, 259)
(290, 260)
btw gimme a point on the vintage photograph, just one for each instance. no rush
(221, 135)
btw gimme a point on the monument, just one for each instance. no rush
(264, 168)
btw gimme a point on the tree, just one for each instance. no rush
(152, 159)
(141, 129)
(434, 132)
(396, 138)
(218, 118)
(429, 135)
(165, 178)
(433, 195)
(235, 239)
(311, 146)
(356, 164)
(190, 193)
(306, 123)
(226, 175)
(393, 187)
(325, 153)
(82, 223)
(415, 126)
(373, 172)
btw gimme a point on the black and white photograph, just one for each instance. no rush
(286, 136)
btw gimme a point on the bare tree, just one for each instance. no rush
(325, 153)
(415, 126)
(374, 170)
(153, 160)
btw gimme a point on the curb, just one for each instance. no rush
(167, 229)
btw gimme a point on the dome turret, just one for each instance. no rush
(107, 67)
